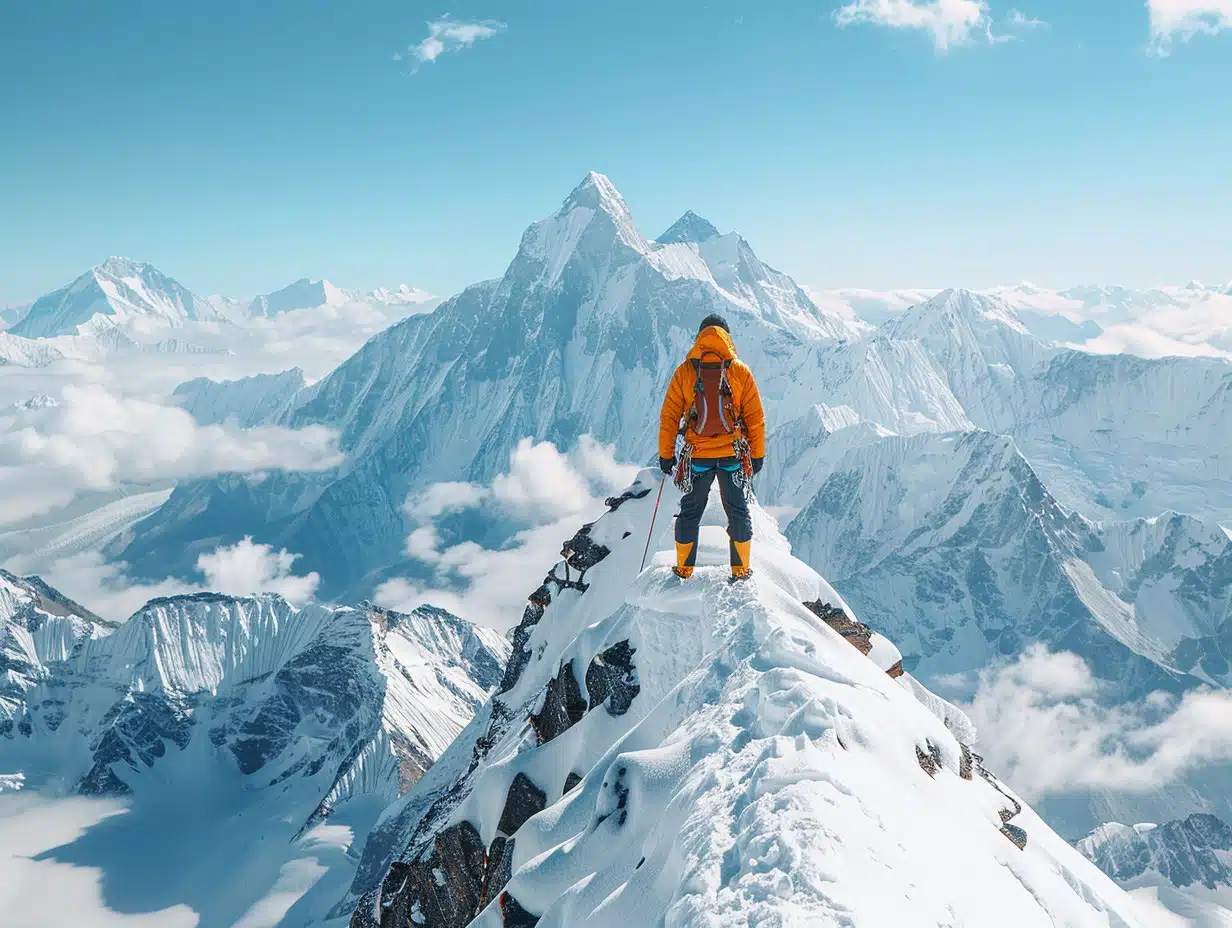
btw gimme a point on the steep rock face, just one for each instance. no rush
(1197, 849)
(39, 629)
(115, 292)
(756, 767)
(248, 402)
(955, 547)
(577, 337)
(348, 700)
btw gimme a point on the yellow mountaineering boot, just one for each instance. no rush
(740, 551)
(685, 555)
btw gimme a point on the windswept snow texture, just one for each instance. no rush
(277, 723)
(709, 753)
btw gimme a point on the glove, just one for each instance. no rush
(757, 463)
(667, 465)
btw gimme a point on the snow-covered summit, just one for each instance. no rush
(689, 228)
(576, 337)
(119, 291)
(698, 753)
(1197, 849)
(305, 293)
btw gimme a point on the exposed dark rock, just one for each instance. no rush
(620, 789)
(857, 634)
(927, 764)
(965, 764)
(523, 800)
(611, 679)
(1186, 851)
(1016, 835)
(520, 656)
(571, 781)
(896, 671)
(450, 900)
(563, 706)
(581, 552)
(135, 730)
(615, 502)
(498, 869)
(513, 915)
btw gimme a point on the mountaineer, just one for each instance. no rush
(713, 403)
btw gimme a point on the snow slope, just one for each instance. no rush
(954, 546)
(705, 753)
(307, 293)
(247, 402)
(244, 719)
(117, 292)
(577, 337)
(1179, 872)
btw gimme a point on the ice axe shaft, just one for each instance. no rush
(650, 534)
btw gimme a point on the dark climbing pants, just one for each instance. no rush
(693, 505)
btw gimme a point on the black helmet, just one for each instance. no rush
(714, 319)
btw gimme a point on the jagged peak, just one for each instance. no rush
(119, 266)
(596, 191)
(965, 304)
(689, 228)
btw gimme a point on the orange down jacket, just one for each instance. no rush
(745, 398)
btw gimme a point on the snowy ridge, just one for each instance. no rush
(706, 753)
(116, 292)
(39, 628)
(354, 695)
(955, 547)
(1197, 849)
(248, 402)
(579, 334)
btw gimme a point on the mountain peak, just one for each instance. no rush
(119, 266)
(597, 192)
(689, 228)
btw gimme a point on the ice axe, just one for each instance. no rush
(650, 534)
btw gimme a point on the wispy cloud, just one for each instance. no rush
(1043, 723)
(1183, 19)
(1020, 20)
(543, 496)
(949, 22)
(450, 35)
(99, 440)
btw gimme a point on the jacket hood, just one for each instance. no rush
(713, 339)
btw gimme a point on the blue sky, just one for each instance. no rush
(239, 146)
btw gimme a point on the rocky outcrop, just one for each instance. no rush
(1197, 849)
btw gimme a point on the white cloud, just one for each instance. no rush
(451, 35)
(1183, 19)
(950, 22)
(246, 568)
(1044, 727)
(540, 480)
(41, 890)
(1020, 20)
(103, 588)
(442, 498)
(1146, 340)
(99, 440)
(544, 489)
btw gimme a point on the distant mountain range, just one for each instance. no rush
(129, 306)
(232, 727)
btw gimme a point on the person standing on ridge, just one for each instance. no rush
(713, 402)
